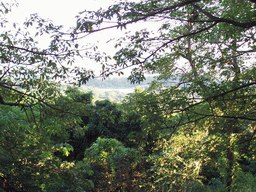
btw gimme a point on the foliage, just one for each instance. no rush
(198, 133)
(178, 162)
(27, 152)
(101, 119)
(206, 46)
(28, 71)
(115, 167)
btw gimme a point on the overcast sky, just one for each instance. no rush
(60, 11)
(63, 12)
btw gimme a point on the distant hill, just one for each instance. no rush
(117, 83)
(116, 88)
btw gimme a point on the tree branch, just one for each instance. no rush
(163, 45)
(31, 96)
(223, 20)
(219, 95)
(187, 2)
(229, 117)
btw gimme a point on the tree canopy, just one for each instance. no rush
(193, 129)
(209, 47)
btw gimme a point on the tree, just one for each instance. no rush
(30, 74)
(102, 119)
(116, 168)
(29, 139)
(33, 121)
(178, 25)
(215, 43)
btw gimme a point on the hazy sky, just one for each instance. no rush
(60, 11)
(63, 12)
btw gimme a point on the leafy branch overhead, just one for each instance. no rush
(29, 73)
(22, 59)
(200, 43)
(146, 49)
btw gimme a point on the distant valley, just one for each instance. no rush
(114, 89)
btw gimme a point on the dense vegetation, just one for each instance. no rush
(195, 135)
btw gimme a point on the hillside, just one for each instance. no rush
(117, 83)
